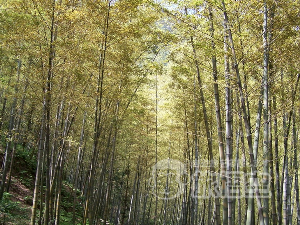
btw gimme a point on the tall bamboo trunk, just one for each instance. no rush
(134, 189)
(219, 123)
(38, 174)
(250, 212)
(272, 159)
(296, 185)
(228, 130)
(245, 117)
(98, 117)
(2, 115)
(47, 92)
(284, 194)
(11, 136)
(207, 131)
(272, 180)
(18, 119)
(266, 116)
(194, 206)
(78, 167)
(287, 118)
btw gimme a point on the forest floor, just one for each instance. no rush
(15, 208)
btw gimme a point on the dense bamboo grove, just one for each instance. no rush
(153, 112)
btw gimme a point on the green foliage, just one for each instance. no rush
(7, 205)
(67, 194)
(66, 217)
(28, 200)
(10, 209)
(25, 166)
(28, 156)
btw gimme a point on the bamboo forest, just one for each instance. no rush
(149, 112)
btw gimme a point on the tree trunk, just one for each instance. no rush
(228, 130)
(47, 101)
(98, 117)
(245, 116)
(38, 173)
(266, 116)
(10, 139)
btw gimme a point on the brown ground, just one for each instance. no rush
(20, 196)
